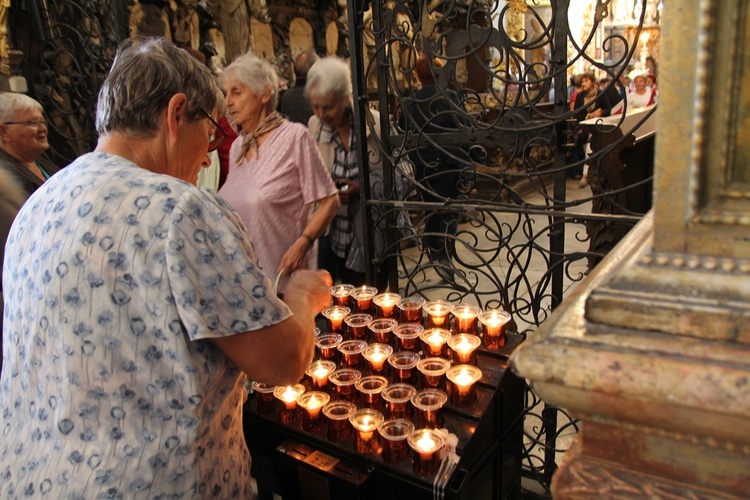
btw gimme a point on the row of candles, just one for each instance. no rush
(379, 398)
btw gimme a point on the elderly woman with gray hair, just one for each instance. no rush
(134, 303)
(277, 181)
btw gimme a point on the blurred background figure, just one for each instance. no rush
(293, 103)
(590, 102)
(277, 181)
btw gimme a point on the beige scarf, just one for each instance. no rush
(250, 141)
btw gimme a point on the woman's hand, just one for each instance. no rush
(347, 189)
(294, 257)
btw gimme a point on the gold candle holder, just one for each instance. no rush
(318, 372)
(410, 309)
(266, 402)
(326, 346)
(370, 389)
(428, 404)
(382, 329)
(438, 313)
(340, 294)
(426, 444)
(338, 413)
(463, 388)
(351, 353)
(434, 341)
(385, 304)
(363, 298)
(494, 322)
(407, 336)
(397, 399)
(312, 403)
(335, 316)
(402, 365)
(376, 355)
(366, 422)
(465, 318)
(433, 372)
(394, 434)
(344, 379)
(287, 396)
(464, 348)
(356, 325)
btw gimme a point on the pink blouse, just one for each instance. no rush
(275, 191)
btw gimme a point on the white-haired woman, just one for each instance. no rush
(277, 181)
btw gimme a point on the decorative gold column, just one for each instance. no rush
(653, 351)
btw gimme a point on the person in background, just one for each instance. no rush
(612, 91)
(590, 103)
(135, 303)
(276, 175)
(23, 140)
(641, 95)
(293, 103)
(651, 81)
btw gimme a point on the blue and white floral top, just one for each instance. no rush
(114, 279)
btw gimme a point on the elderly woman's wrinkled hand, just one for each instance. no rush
(312, 286)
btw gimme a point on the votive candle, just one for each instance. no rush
(397, 399)
(376, 355)
(410, 309)
(464, 347)
(366, 422)
(382, 329)
(463, 388)
(312, 403)
(340, 294)
(327, 345)
(287, 396)
(434, 341)
(426, 444)
(433, 371)
(385, 304)
(465, 316)
(438, 313)
(344, 379)
(338, 413)
(370, 389)
(402, 364)
(407, 336)
(266, 402)
(394, 434)
(428, 404)
(318, 372)
(335, 316)
(356, 325)
(494, 322)
(363, 298)
(351, 353)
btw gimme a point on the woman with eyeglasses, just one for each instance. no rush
(277, 181)
(134, 303)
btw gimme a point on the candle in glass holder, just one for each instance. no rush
(382, 329)
(428, 404)
(407, 336)
(266, 402)
(402, 364)
(465, 318)
(434, 341)
(344, 379)
(340, 294)
(335, 316)
(363, 298)
(370, 389)
(287, 396)
(356, 325)
(438, 313)
(351, 353)
(312, 403)
(366, 422)
(318, 372)
(410, 309)
(394, 434)
(433, 371)
(397, 399)
(464, 347)
(493, 327)
(463, 388)
(338, 413)
(376, 354)
(326, 346)
(426, 444)
(385, 304)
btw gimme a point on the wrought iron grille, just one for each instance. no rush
(478, 161)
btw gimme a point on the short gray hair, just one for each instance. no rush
(330, 77)
(12, 103)
(146, 73)
(255, 73)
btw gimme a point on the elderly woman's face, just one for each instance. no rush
(245, 108)
(331, 111)
(640, 83)
(27, 134)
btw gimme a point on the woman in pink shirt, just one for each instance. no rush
(277, 181)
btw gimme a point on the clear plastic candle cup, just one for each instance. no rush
(394, 434)
(385, 304)
(428, 404)
(326, 346)
(344, 379)
(410, 309)
(433, 372)
(366, 422)
(318, 372)
(335, 316)
(463, 388)
(312, 404)
(351, 353)
(370, 389)
(494, 322)
(465, 318)
(397, 399)
(402, 366)
(426, 444)
(438, 313)
(464, 348)
(376, 356)
(356, 325)
(340, 294)
(382, 329)
(434, 341)
(338, 413)
(362, 297)
(407, 336)
(287, 396)
(266, 402)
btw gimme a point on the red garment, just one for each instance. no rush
(223, 150)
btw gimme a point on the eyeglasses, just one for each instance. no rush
(219, 134)
(37, 124)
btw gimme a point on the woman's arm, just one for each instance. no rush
(294, 257)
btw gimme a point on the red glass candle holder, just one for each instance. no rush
(376, 356)
(265, 400)
(428, 405)
(464, 348)
(385, 304)
(344, 379)
(382, 330)
(465, 318)
(433, 372)
(370, 389)
(397, 399)
(366, 422)
(340, 295)
(326, 346)
(394, 434)
(410, 309)
(494, 322)
(426, 444)
(318, 372)
(407, 336)
(335, 316)
(434, 342)
(463, 388)
(402, 366)
(362, 298)
(287, 396)
(351, 353)
(338, 413)
(438, 313)
(356, 325)
(312, 404)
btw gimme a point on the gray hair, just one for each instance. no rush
(304, 62)
(146, 73)
(330, 77)
(12, 103)
(256, 74)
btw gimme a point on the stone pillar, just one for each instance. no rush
(652, 353)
